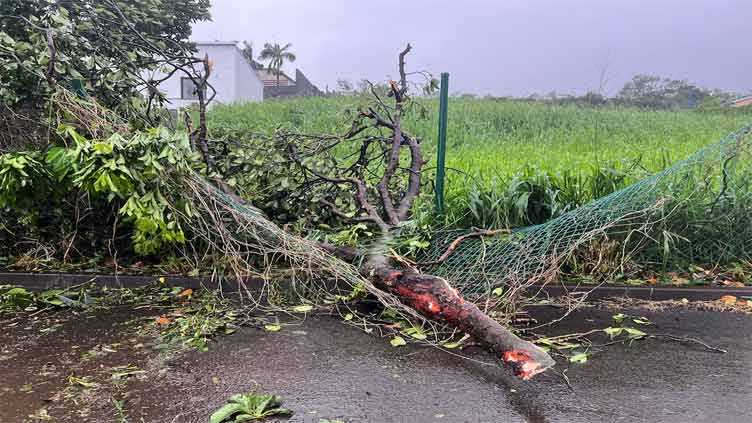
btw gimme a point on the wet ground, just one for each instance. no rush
(325, 369)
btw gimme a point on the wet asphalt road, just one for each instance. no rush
(325, 369)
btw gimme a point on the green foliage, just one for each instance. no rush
(533, 196)
(129, 175)
(247, 407)
(662, 93)
(261, 171)
(93, 42)
(352, 235)
(24, 180)
(132, 171)
(511, 163)
(16, 298)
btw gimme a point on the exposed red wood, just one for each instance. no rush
(435, 299)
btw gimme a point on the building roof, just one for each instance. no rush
(269, 78)
(740, 102)
(742, 99)
(267, 75)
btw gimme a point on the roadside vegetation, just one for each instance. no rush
(502, 152)
(517, 163)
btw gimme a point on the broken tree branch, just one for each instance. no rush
(456, 243)
(202, 130)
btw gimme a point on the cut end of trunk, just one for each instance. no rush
(528, 363)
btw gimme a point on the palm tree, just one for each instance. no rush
(247, 50)
(276, 56)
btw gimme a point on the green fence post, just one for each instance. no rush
(441, 156)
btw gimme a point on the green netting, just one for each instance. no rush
(697, 211)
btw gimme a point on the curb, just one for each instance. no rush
(660, 293)
(44, 281)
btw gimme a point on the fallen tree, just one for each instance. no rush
(384, 192)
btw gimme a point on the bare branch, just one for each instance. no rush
(50, 74)
(453, 246)
(394, 155)
(361, 189)
(413, 186)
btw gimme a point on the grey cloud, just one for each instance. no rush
(511, 47)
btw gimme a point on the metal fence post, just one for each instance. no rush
(441, 155)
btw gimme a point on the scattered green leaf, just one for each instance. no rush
(578, 358)
(303, 308)
(635, 333)
(397, 341)
(613, 332)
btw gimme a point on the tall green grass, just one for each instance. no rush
(516, 163)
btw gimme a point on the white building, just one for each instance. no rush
(232, 77)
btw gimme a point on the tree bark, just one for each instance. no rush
(435, 299)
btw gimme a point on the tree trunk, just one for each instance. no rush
(435, 299)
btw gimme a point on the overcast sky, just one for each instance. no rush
(502, 47)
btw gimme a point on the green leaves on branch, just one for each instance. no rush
(135, 171)
(16, 298)
(129, 173)
(108, 44)
(23, 178)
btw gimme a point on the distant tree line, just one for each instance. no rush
(644, 91)
(652, 91)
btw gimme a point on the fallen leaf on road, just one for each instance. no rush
(578, 358)
(161, 320)
(635, 333)
(642, 321)
(611, 331)
(187, 293)
(728, 299)
(397, 341)
(303, 308)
